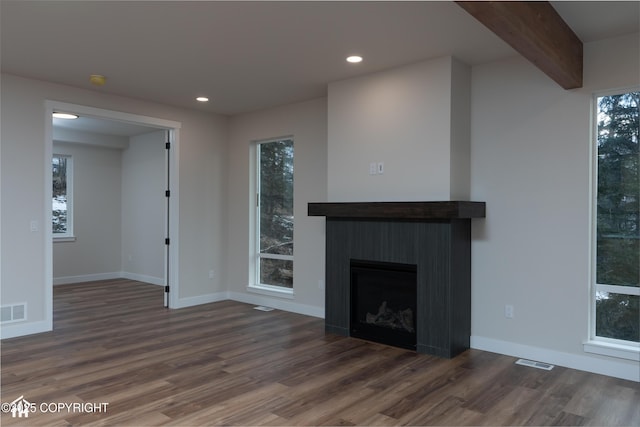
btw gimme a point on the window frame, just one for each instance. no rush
(623, 349)
(67, 236)
(256, 284)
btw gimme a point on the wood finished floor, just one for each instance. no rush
(228, 364)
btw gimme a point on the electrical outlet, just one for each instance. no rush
(508, 311)
(373, 168)
(212, 274)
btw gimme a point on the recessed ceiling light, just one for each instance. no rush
(66, 116)
(354, 59)
(202, 99)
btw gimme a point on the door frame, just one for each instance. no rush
(172, 268)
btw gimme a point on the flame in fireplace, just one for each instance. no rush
(393, 319)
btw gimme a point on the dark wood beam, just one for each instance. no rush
(537, 32)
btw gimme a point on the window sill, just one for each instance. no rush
(620, 351)
(272, 291)
(64, 239)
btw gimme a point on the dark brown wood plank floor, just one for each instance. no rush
(228, 364)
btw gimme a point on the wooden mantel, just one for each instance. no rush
(441, 210)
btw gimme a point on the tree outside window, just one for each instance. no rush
(617, 291)
(62, 224)
(275, 213)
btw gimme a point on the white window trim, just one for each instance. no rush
(255, 285)
(63, 239)
(272, 291)
(69, 235)
(595, 344)
(612, 348)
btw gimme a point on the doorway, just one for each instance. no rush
(122, 122)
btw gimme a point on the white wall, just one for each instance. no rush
(96, 208)
(307, 123)
(404, 118)
(202, 178)
(531, 163)
(460, 126)
(144, 208)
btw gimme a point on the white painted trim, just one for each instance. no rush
(174, 219)
(613, 368)
(85, 110)
(617, 289)
(47, 228)
(143, 278)
(307, 310)
(67, 280)
(64, 239)
(200, 299)
(610, 349)
(25, 328)
(271, 291)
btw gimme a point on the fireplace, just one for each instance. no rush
(435, 237)
(383, 302)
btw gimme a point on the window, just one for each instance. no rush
(274, 216)
(62, 201)
(616, 292)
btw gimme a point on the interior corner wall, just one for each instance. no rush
(460, 170)
(400, 117)
(307, 123)
(531, 144)
(144, 208)
(96, 209)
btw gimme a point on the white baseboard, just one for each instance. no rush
(200, 299)
(143, 278)
(279, 304)
(67, 280)
(251, 299)
(27, 328)
(618, 368)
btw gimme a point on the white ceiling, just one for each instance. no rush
(245, 55)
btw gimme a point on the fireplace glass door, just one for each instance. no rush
(383, 302)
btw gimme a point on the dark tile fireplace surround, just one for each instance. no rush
(393, 245)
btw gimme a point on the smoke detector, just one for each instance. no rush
(97, 79)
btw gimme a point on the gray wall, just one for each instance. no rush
(307, 123)
(144, 208)
(96, 206)
(402, 117)
(119, 209)
(531, 162)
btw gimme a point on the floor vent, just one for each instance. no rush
(534, 364)
(263, 308)
(13, 313)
